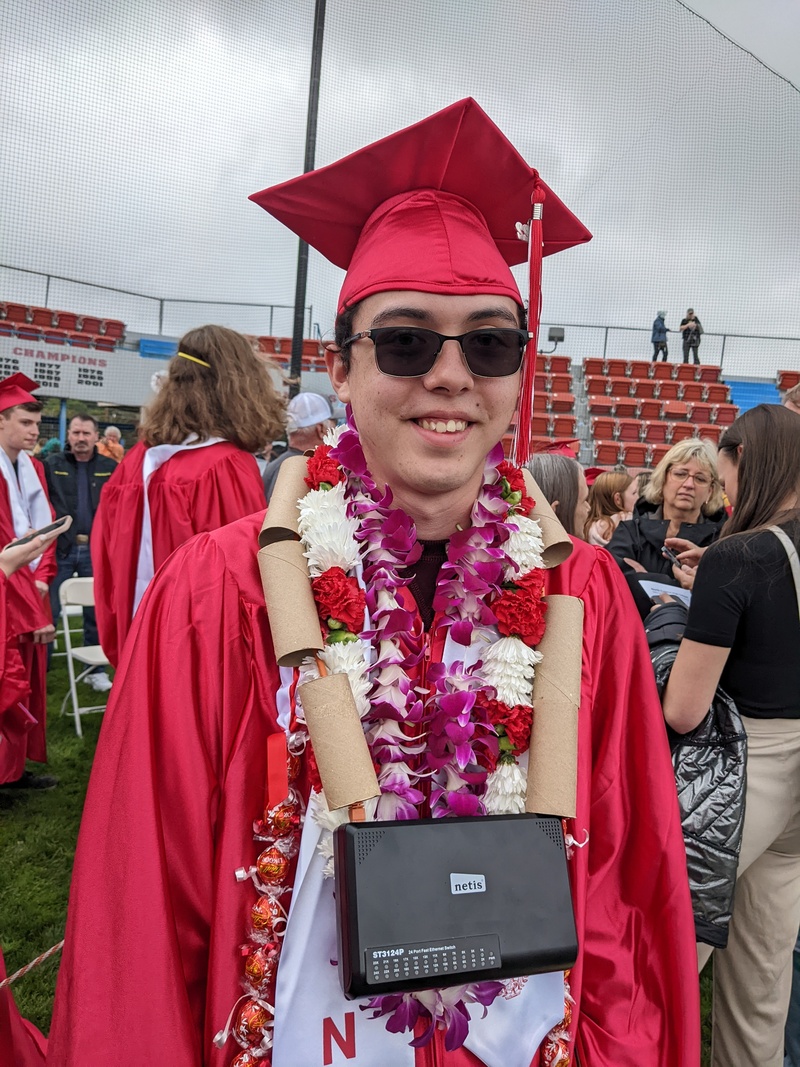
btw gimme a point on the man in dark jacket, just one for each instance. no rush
(75, 479)
(659, 338)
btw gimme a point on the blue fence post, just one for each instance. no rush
(62, 422)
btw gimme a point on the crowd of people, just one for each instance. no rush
(201, 925)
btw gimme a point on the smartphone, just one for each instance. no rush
(670, 556)
(61, 525)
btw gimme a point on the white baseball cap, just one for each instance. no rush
(307, 409)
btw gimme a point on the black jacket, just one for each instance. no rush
(61, 471)
(710, 764)
(642, 537)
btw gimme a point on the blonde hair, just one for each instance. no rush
(701, 451)
(601, 499)
(233, 397)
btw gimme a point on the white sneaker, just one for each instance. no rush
(99, 681)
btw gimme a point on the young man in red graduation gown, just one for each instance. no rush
(424, 221)
(25, 505)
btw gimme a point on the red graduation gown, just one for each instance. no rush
(21, 1044)
(25, 610)
(152, 964)
(194, 492)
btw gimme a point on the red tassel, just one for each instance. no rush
(522, 430)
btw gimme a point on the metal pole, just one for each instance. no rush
(62, 423)
(160, 317)
(722, 352)
(47, 293)
(605, 342)
(296, 366)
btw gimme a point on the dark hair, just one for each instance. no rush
(768, 467)
(84, 416)
(343, 328)
(229, 394)
(557, 477)
(30, 405)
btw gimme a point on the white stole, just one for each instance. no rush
(154, 458)
(30, 508)
(312, 1017)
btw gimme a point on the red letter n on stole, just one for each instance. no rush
(346, 1044)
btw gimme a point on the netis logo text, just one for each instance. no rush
(467, 883)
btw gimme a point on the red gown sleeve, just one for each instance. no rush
(48, 565)
(636, 979)
(21, 1044)
(151, 964)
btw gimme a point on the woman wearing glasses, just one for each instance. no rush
(743, 633)
(683, 499)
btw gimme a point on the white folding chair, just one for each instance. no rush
(68, 613)
(79, 591)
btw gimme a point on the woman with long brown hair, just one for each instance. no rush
(193, 470)
(611, 500)
(743, 634)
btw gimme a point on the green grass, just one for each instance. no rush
(38, 833)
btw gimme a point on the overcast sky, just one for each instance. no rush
(134, 134)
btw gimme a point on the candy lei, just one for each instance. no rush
(464, 731)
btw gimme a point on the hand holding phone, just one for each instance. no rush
(57, 527)
(670, 555)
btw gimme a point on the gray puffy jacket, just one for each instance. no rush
(710, 773)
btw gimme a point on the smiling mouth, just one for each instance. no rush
(441, 426)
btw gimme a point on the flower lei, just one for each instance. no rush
(463, 729)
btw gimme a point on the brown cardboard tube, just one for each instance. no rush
(557, 545)
(340, 748)
(292, 613)
(553, 756)
(280, 522)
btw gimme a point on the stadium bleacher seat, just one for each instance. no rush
(662, 371)
(91, 324)
(561, 383)
(709, 430)
(788, 379)
(655, 431)
(541, 363)
(54, 336)
(313, 348)
(617, 368)
(657, 453)
(626, 407)
(541, 402)
(563, 426)
(724, 414)
(541, 425)
(701, 412)
(113, 328)
(644, 388)
(16, 312)
(686, 372)
(680, 431)
(606, 452)
(716, 393)
(593, 366)
(635, 454)
(707, 372)
(80, 340)
(266, 344)
(41, 317)
(674, 410)
(629, 429)
(649, 409)
(596, 385)
(691, 391)
(668, 390)
(638, 368)
(105, 344)
(540, 381)
(562, 402)
(559, 364)
(619, 386)
(283, 345)
(27, 332)
(604, 427)
(7, 328)
(66, 320)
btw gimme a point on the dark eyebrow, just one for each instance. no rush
(388, 315)
(493, 313)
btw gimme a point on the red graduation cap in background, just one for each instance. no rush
(17, 390)
(439, 207)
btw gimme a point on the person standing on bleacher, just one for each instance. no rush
(659, 338)
(692, 330)
(75, 479)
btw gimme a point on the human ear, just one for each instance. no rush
(337, 372)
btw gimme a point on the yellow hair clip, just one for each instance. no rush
(194, 359)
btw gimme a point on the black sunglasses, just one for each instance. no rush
(410, 351)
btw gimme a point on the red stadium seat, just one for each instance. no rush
(657, 453)
(26, 332)
(691, 391)
(267, 344)
(41, 317)
(626, 407)
(617, 368)
(80, 340)
(54, 336)
(635, 455)
(559, 364)
(66, 320)
(707, 372)
(725, 414)
(680, 431)
(561, 383)
(541, 402)
(601, 405)
(619, 386)
(17, 312)
(596, 386)
(562, 402)
(638, 368)
(564, 426)
(675, 410)
(7, 328)
(105, 344)
(313, 348)
(645, 388)
(655, 432)
(604, 426)
(541, 425)
(668, 390)
(701, 412)
(594, 366)
(717, 393)
(629, 429)
(650, 409)
(541, 381)
(788, 379)
(686, 372)
(708, 430)
(541, 363)
(91, 324)
(284, 346)
(606, 452)
(662, 371)
(114, 328)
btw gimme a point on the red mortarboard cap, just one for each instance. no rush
(592, 474)
(434, 208)
(16, 390)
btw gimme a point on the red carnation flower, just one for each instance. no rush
(519, 610)
(339, 597)
(516, 722)
(323, 469)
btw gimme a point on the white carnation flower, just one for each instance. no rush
(524, 546)
(350, 658)
(332, 436)
(508, 666)
(328, 534)
(505, 790)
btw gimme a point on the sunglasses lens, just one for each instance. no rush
(405, 351)
(493, 353)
